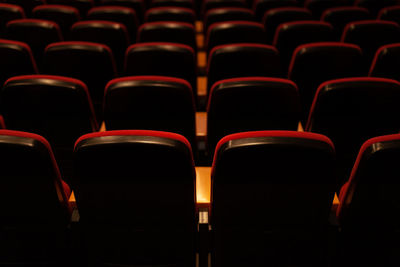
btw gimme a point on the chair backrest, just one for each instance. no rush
(177, 14)
(172, 3)
(375, 6)
(151, 103)
(339, 17)
(370, 35)
(125, 15)
(242, 60)
(172, 32)
(227, 14)
(231, 32)
(36, 33)
(251, 104)
(137, 5)
(212, 4)
(268, 187)
(82, 5)
(386, 61)
(352, 110)
(64, 16)
(91, 63)
(260, 7)
(145, 181)
(374, 176)
(113, 34)
(312, 64)
(276, 16)
(317, 7)
(9, 12)
(290, 35)
(27, 5)
(17, 59)
(391, 13)
(162, 59)
(35, 209)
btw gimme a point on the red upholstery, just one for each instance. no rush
(73, 9)
(26, 47)
(159, 43)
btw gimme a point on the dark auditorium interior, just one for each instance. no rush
(200, 133)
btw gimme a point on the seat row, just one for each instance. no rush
(349, 111)
(272, 193)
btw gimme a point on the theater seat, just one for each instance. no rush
(91, 63)
(370, 35)
(55, 107)
(112, 34)
(271, 197)
(125, 15)
(339, 17)
(178, 14)
(369, 205)
(36, 33)
(317, 7)
(386, 62)
(261, 7)
(9, 12)
(227, 14)
(312, 64)
(374, 6)
(151, 103)
(135, 191)
(137, 5)
(34, 203)
(64, 16)
(212, 4)
(242, 60)
(290, 35)
(162, 59)
(82, 5)
(172, 3)
(276, 16)
(391, 13)
(352, 110)
(231, 32)
(167, 31)
(250, 104)
(17, 59)
(27, 5)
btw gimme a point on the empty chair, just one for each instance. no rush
(317, 7)
(36, 33)
(112, 34)
(17, 59)
(55, 107)
(369, 238)
(162, 59)
(250, 104)
(82, 5)
(234, 32)
(290, 35)
(9, 12)
(27, 5)
(260, 7)
(370, 35)
(91, 63)
(274, 17)
(124, 15)
(145, 180)
(32, 236)
(386, 62)
(151, 103)
(227, 14)
(163, 31)
(352, 110)
(212, 4)
(172, 3)
(391, 13)
(64, 16)
(272, 192)
(137, 5)
(312, 64)
(181, 14)
(374, 6)
(339, 17)
(242, 60)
